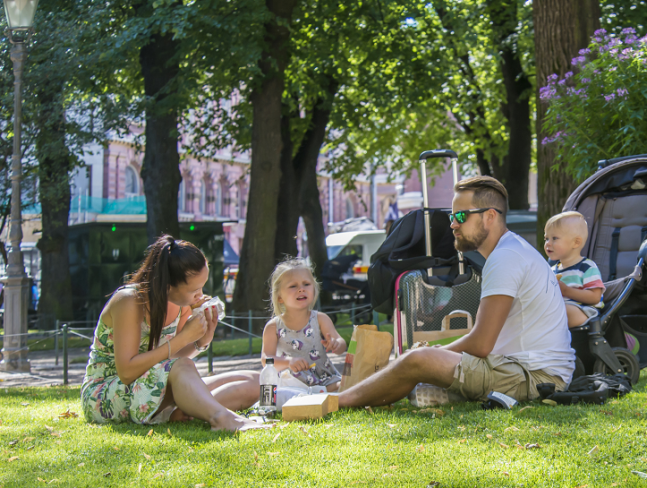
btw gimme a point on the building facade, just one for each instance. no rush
(110, 188)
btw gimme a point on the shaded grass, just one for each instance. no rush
(227, 347)
(47, 344)
(382, 447)
(240, 347)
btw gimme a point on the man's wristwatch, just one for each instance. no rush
(200, 349)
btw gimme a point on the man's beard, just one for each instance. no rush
(466, 244)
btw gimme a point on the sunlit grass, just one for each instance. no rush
(402, 446)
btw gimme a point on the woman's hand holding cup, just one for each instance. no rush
(211, 317)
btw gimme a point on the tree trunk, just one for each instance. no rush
(257, 254)
(54, 166)
(561, 30)
(161, 167)
(309, 191)
(287, 214)
(516, 163)
(302, 197)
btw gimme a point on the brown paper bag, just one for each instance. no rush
(368, 352)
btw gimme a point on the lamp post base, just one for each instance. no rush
(15, 361)
(14, 350)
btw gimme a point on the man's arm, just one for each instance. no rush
(490, 318)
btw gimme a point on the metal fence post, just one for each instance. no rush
(57, 326)
(376, 319)
(352, 313)
(65, 354)
(233, 322)
(249, 329)
(210, 357)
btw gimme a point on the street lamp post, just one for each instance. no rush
(20, 17)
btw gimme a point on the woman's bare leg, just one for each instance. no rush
(236, 390)
(221, 379)
(192, 396)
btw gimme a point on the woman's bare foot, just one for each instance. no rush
(235, 423)
(179, 416)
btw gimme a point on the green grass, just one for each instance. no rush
(465, 447)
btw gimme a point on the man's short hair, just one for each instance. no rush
(488, 192)
(571, 222)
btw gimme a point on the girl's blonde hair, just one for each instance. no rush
(286, 266)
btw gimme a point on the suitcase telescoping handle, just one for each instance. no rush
(424, 156)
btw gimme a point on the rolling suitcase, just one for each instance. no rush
(438, 303)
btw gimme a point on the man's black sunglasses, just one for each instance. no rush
(461, 216)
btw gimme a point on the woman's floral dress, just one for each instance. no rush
(106, 399)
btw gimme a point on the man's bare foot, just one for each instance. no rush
(179, 416)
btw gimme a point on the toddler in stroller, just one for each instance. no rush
(579, 278)
(613, 202)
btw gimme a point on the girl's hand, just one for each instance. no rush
(195, 328)
(333, 344)
(298, 364)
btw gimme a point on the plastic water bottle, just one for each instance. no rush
(269, 380)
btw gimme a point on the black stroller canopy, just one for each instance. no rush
(617, 173)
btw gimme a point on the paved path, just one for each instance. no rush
(44, 371)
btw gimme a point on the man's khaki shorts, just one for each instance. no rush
(475, 378)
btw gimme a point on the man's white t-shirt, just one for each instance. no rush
(536, 330)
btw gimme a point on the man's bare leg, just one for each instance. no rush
(425, 365)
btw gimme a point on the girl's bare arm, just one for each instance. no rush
(333, 342)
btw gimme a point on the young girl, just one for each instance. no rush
(140, 367)
(299, 337)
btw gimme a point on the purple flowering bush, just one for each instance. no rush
(597, 111)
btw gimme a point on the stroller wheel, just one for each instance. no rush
(579, 368)
(627, 360)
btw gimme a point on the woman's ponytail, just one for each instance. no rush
(167, 263)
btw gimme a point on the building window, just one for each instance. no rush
(218, 199)
(350, 208)
(242, 210)
(233, 195)
(182, 197)
(203, 198)
(132, 182)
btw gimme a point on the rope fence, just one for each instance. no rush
(63, 330)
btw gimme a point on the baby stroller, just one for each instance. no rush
(614, 203)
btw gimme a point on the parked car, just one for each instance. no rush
(344, 276)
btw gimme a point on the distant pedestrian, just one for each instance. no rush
(392, 214)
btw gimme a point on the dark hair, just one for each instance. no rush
(167, 263)
(488, 192)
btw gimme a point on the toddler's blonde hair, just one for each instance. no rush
(576, 224)
(286, 266)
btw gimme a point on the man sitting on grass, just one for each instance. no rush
(520, 337)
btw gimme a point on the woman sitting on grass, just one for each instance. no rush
(140, 365)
